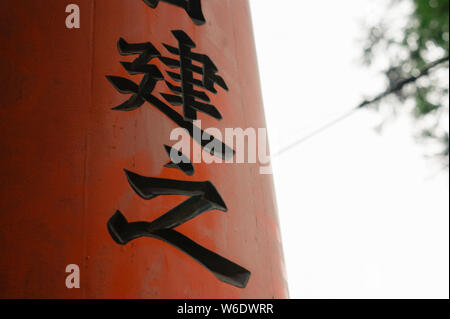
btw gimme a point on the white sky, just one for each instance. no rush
(360, 215)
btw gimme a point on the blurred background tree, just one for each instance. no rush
(413, 53)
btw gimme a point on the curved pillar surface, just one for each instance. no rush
(63, 151)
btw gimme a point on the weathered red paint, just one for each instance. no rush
(63, 151)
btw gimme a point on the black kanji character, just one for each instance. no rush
(179, 161)
(192, 7)
(186, 94)
(203, 198)
(143, 92)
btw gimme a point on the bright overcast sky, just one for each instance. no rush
(362, 214)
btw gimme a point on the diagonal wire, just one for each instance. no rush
(395, 88)
(316, 132)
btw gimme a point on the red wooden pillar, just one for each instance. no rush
(63, 152)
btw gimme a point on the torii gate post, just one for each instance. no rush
(77, 175)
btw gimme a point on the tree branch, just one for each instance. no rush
(390, 91)
(404, 82)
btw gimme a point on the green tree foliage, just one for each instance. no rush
(416, 51)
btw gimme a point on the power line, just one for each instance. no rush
(317, 132)
(395, 88)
